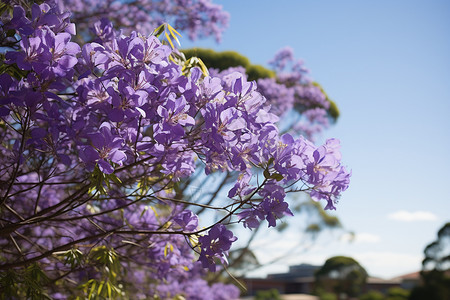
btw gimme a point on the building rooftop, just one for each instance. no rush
(414, 275)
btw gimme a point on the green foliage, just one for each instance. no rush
(72, 257)
(100, 289)
(333, 110)
(107, 286)
(169, 33)
(275, 175)
(372, 295)
(397, 293)
(255, 72)
(107, 259)
(223, 60)
(27, 284)
(436, 286)
(226, 59)
(323, 294)
(12, 70)
(435, 273)
(327, 296)
(9, 280)
(194, 62)
(4, 7)
(429, 292)
(99, 182)
(271, 294)
(219, 60)
(437, 254)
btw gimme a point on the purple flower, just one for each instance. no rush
(223, 291)
(242, 186)
(273, 203)
(251, 217)
(35, 54)
(104, 146)
(215, 244)
(174, 114)
(198, 18)
(63, 53)
(187, 220)
(21, 22)
(104, 30)
(326, 161)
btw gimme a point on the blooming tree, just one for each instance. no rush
(99, 141)
(293, 91)
(302, 104)
(304, 109)
(199, 18)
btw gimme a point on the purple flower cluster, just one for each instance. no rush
(192, 287)
(45, 40)
(293, 161)
(99, 141)
(199, 18)
(291, 91)
(215, 244)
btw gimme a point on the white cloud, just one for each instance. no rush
(406, 216)
(362, 237)
(389, 264)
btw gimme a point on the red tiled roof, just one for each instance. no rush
(414, 275)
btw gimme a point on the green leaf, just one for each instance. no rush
(169, 40)
(266, 174)
(73, 257)
(114, 178)
(277, 177)
(158, 31)
(100, 287)
(108, 286)
(194, 62)
(203, 67)
(4, 7)
(174, 34)
(13, 70)
(173, 31)
(11, 32)
(34, 279)
(9, 280)
(167, 248)
(93, 285)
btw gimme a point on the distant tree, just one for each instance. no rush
(341, 275)
(435, 269)
(226, 59)
(437, 254)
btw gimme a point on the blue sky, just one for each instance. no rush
(387, 66)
